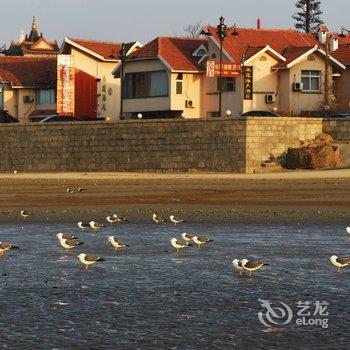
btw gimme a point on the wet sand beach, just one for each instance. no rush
(297, 195)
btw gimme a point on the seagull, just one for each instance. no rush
(339, 263)
(4, 247)
(119, 219)
(65, 236)
(95, 225)
(186, 237)
(67, 243)
(251, 266)
(88, 260)
(348, 230)
(157, 219)
(111, 220)
(238, 265)
(175, 220)
(70, 190)
(25, 214)
(80, 189)
(178, 244)
(117, 243)
(82, 225)
(201, 240)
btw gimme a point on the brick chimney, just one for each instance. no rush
(258, 23)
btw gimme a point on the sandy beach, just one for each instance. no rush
(296, 195)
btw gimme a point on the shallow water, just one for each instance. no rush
(149, 297)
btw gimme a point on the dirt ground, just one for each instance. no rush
(296, 195)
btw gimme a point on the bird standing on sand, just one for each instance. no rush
(88, 260)
(340, 263)
(68, 243)
(95, 225)
(175, 220)
(117, 243)
(82, 225)
(70, 190)
(238, 265)
(178, 244)
(157, 219)
(251, 266)
(4, 247)
(25, 214)
(201, 240)
(187, 237)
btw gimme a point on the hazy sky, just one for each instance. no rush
(142, 20)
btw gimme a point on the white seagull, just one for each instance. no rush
(25, 214)
(175, 220)
(339, 263)
(65, 236)
(119, 219)
(157, 219)
(201, 240)
(95, 225)
(88, 260)
(187, 237)
(111, 220)
(67, 243)
(117, 243)
(348, 230)
(251, 266)
(82, 225)
(178, 244)
(238, 265)
(70, 190)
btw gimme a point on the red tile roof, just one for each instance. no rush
(105, 49)
(291, 54)
(345, 40)
(343, 54)
(177, 52)
(27, 71)
(277, 39)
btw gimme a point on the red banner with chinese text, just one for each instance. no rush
(228, 69)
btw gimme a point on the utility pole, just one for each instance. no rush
(122, 56)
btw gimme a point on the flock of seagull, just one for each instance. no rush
(69, 242)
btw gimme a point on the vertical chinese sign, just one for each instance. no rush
(248, 82)
(65, 85)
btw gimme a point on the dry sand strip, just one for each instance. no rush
(295, 195)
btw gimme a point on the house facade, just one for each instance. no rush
(28, 86)
(164, 79)
(96, 91)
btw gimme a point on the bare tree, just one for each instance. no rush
(193, 30)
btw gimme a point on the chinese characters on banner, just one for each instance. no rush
(65, 85)
(228, 69)
(248, 82)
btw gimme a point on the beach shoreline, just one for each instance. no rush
(287, 196)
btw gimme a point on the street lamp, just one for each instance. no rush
(221, 30)
(122, 57)
(342, 35)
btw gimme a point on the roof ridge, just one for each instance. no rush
(97, 41)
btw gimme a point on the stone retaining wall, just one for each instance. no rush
(217, 145)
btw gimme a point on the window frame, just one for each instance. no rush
(310, 75)
(225, 82)
(146, 79)
(52, 98)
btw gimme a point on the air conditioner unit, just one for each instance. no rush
(270, 98)
(189, 104)
(297, 86)
(28, 99)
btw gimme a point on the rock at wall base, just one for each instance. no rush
(322, 156)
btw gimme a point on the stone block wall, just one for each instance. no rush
(339, 129)
(145, 146)
(268, 137)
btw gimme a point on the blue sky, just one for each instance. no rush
(142, 20)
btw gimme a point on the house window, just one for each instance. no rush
(146, 84)
(311, 80)
(46, 97)
(227, 84)
(179, 81)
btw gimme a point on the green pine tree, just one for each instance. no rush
(308, 15)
